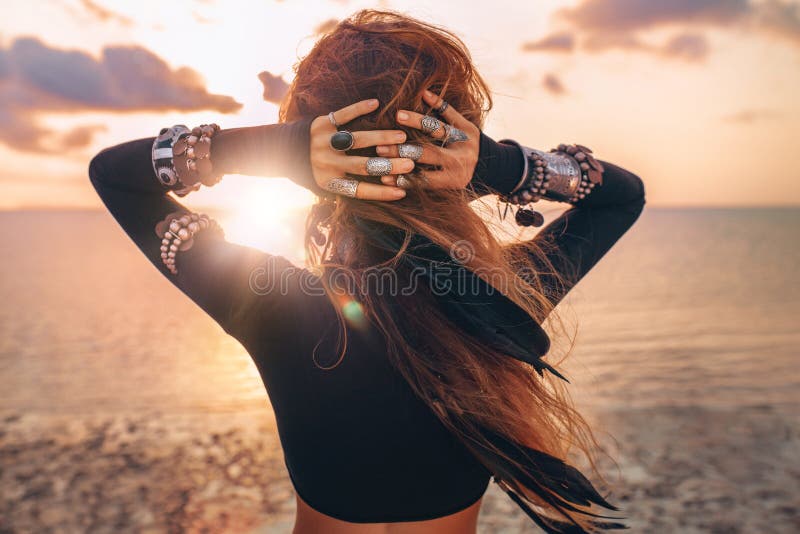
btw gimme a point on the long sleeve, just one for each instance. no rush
(574, 242)
(234, 284)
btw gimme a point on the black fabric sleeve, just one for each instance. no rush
(236, 285)
(574, 242)
(499, 168)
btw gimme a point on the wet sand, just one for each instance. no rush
(680, 470)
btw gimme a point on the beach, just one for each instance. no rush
(125, 409)
(680, 470)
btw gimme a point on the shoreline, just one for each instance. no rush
(681, 469)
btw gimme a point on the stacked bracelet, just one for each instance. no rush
(181, 158)
(177, 232)
(565, 174)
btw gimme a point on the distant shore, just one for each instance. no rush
(682, 470)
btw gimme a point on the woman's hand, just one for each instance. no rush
(457, 160)
(329, 165)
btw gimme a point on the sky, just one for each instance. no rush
(698, 97)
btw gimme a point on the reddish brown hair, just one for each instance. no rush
(392, 57)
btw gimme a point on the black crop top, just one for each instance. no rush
(358, 444)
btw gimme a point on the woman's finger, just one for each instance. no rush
(353, 111)
(365, 138)
(431, 154)
(451, 115)
(350, 187)
(370, 191)
(413, 119)
(358, 165)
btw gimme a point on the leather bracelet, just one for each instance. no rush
(181, 158)
(163, 166)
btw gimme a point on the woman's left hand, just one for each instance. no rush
(457, 160)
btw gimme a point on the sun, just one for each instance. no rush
(268, 214)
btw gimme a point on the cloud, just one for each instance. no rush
(600, 42)
(687, 46)
(326, 26)
(750, 116)
(602, 25)
(105, 15)
(38, 78)
(627, 15)
(553, 85)
(557, 42)
(780, 18)
(274, 86)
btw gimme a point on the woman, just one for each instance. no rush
(405, 365)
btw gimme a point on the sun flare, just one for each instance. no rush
(268, 215)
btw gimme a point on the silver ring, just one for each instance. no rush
(343, 186)
(333, 120)
(379, 166)
(410, 151)
(430, 124)
(454, 135)
(441, 109)
(342, 140)
(403, 182)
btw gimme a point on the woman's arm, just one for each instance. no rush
(215, 274)
(575, 241)
(242, 288)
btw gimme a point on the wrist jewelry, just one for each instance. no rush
(181, 158)
(565, 174)
(162, 154)
(177, 232)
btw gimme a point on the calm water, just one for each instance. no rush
(690, 307)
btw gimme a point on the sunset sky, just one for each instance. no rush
(699, 97)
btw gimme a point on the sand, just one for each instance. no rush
(680, 470)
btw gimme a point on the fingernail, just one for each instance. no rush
(382, 150)
(398, 193)
(402, 115)
(373, 102)
(400, 137)
(428, 93)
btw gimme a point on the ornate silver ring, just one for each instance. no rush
(441, 109)
(379, 166)
(454, 135)
(403, 182)
(343, 186)
(410, 151)
(430, 124)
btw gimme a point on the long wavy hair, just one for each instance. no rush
(471, 387)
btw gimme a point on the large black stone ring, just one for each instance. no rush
(430, 124)
(342, 140)
(379, 166)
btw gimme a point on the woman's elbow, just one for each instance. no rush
(98, 167)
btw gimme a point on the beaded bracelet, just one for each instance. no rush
(181, 158)
(177, 232)
(565, 174)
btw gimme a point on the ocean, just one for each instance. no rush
(691, 306)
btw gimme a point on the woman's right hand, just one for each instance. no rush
(329, 164)
(456, 162)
